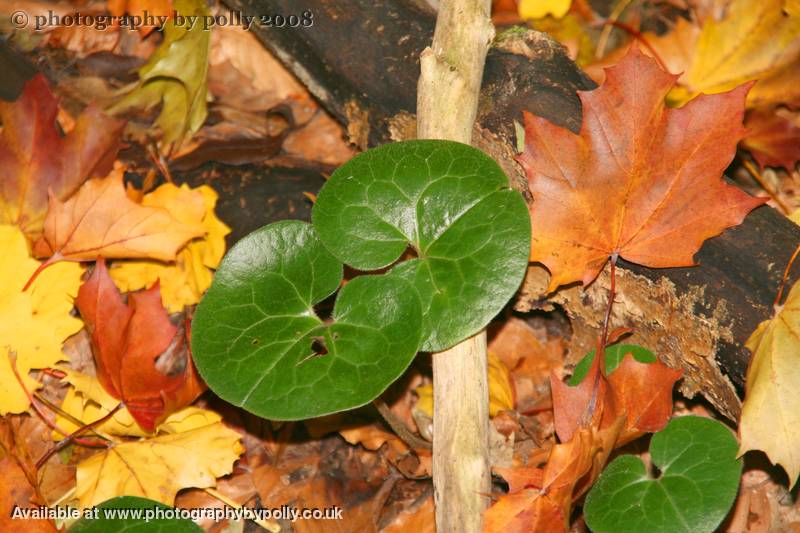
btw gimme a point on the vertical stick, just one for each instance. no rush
(447, 103)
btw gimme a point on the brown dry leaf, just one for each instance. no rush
(100, 220)
(243, 74)
(321, 140)
(16, 491)
(374, 438)
(35, 158)
(641, 181)
(529, 359)
(563, 480)
(419, 519)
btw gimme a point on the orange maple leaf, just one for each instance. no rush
(640, 181)
(35, 157)
(100, 220)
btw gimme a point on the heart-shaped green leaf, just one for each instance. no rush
(133, 514)
(259, 344)
(697, 486)
(448, 201)
(614, 356)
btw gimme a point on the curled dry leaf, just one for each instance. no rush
(640, 181)
(35, 158)
(570, 469)
(34, 323)
(175, 78)
(127, 341)
(100, 220)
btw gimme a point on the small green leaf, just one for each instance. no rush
(614, 356)
(448, 201)
(145, 522)
(697, 486)
(259, 344)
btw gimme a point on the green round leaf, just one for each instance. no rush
(258, 343)
(449, 202)
(697, 486)
(141, 518)
(614, 356)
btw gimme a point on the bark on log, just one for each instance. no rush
(361, 60)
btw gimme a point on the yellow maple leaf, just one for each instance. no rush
(771, 411)
(157, 468)
(536, 9)
(185, 281)
(34, 323)
(86, 400)
(501, 397)
(754, 41)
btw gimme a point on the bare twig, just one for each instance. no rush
(400, 429)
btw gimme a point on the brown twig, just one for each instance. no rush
(604, 35)
(751, 168)
(414, 442)
(785, 277)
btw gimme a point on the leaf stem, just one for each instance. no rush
(72, 437)
(612, 292)
(400, 429)
(785, 277)
(38, 271)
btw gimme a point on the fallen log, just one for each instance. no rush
(361, 60)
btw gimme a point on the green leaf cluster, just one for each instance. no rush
(698, 481)
(447, 245)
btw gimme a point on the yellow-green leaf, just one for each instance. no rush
(771, 411)
(175, 77)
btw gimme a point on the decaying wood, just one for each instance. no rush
(361, 60)
(447, 104)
